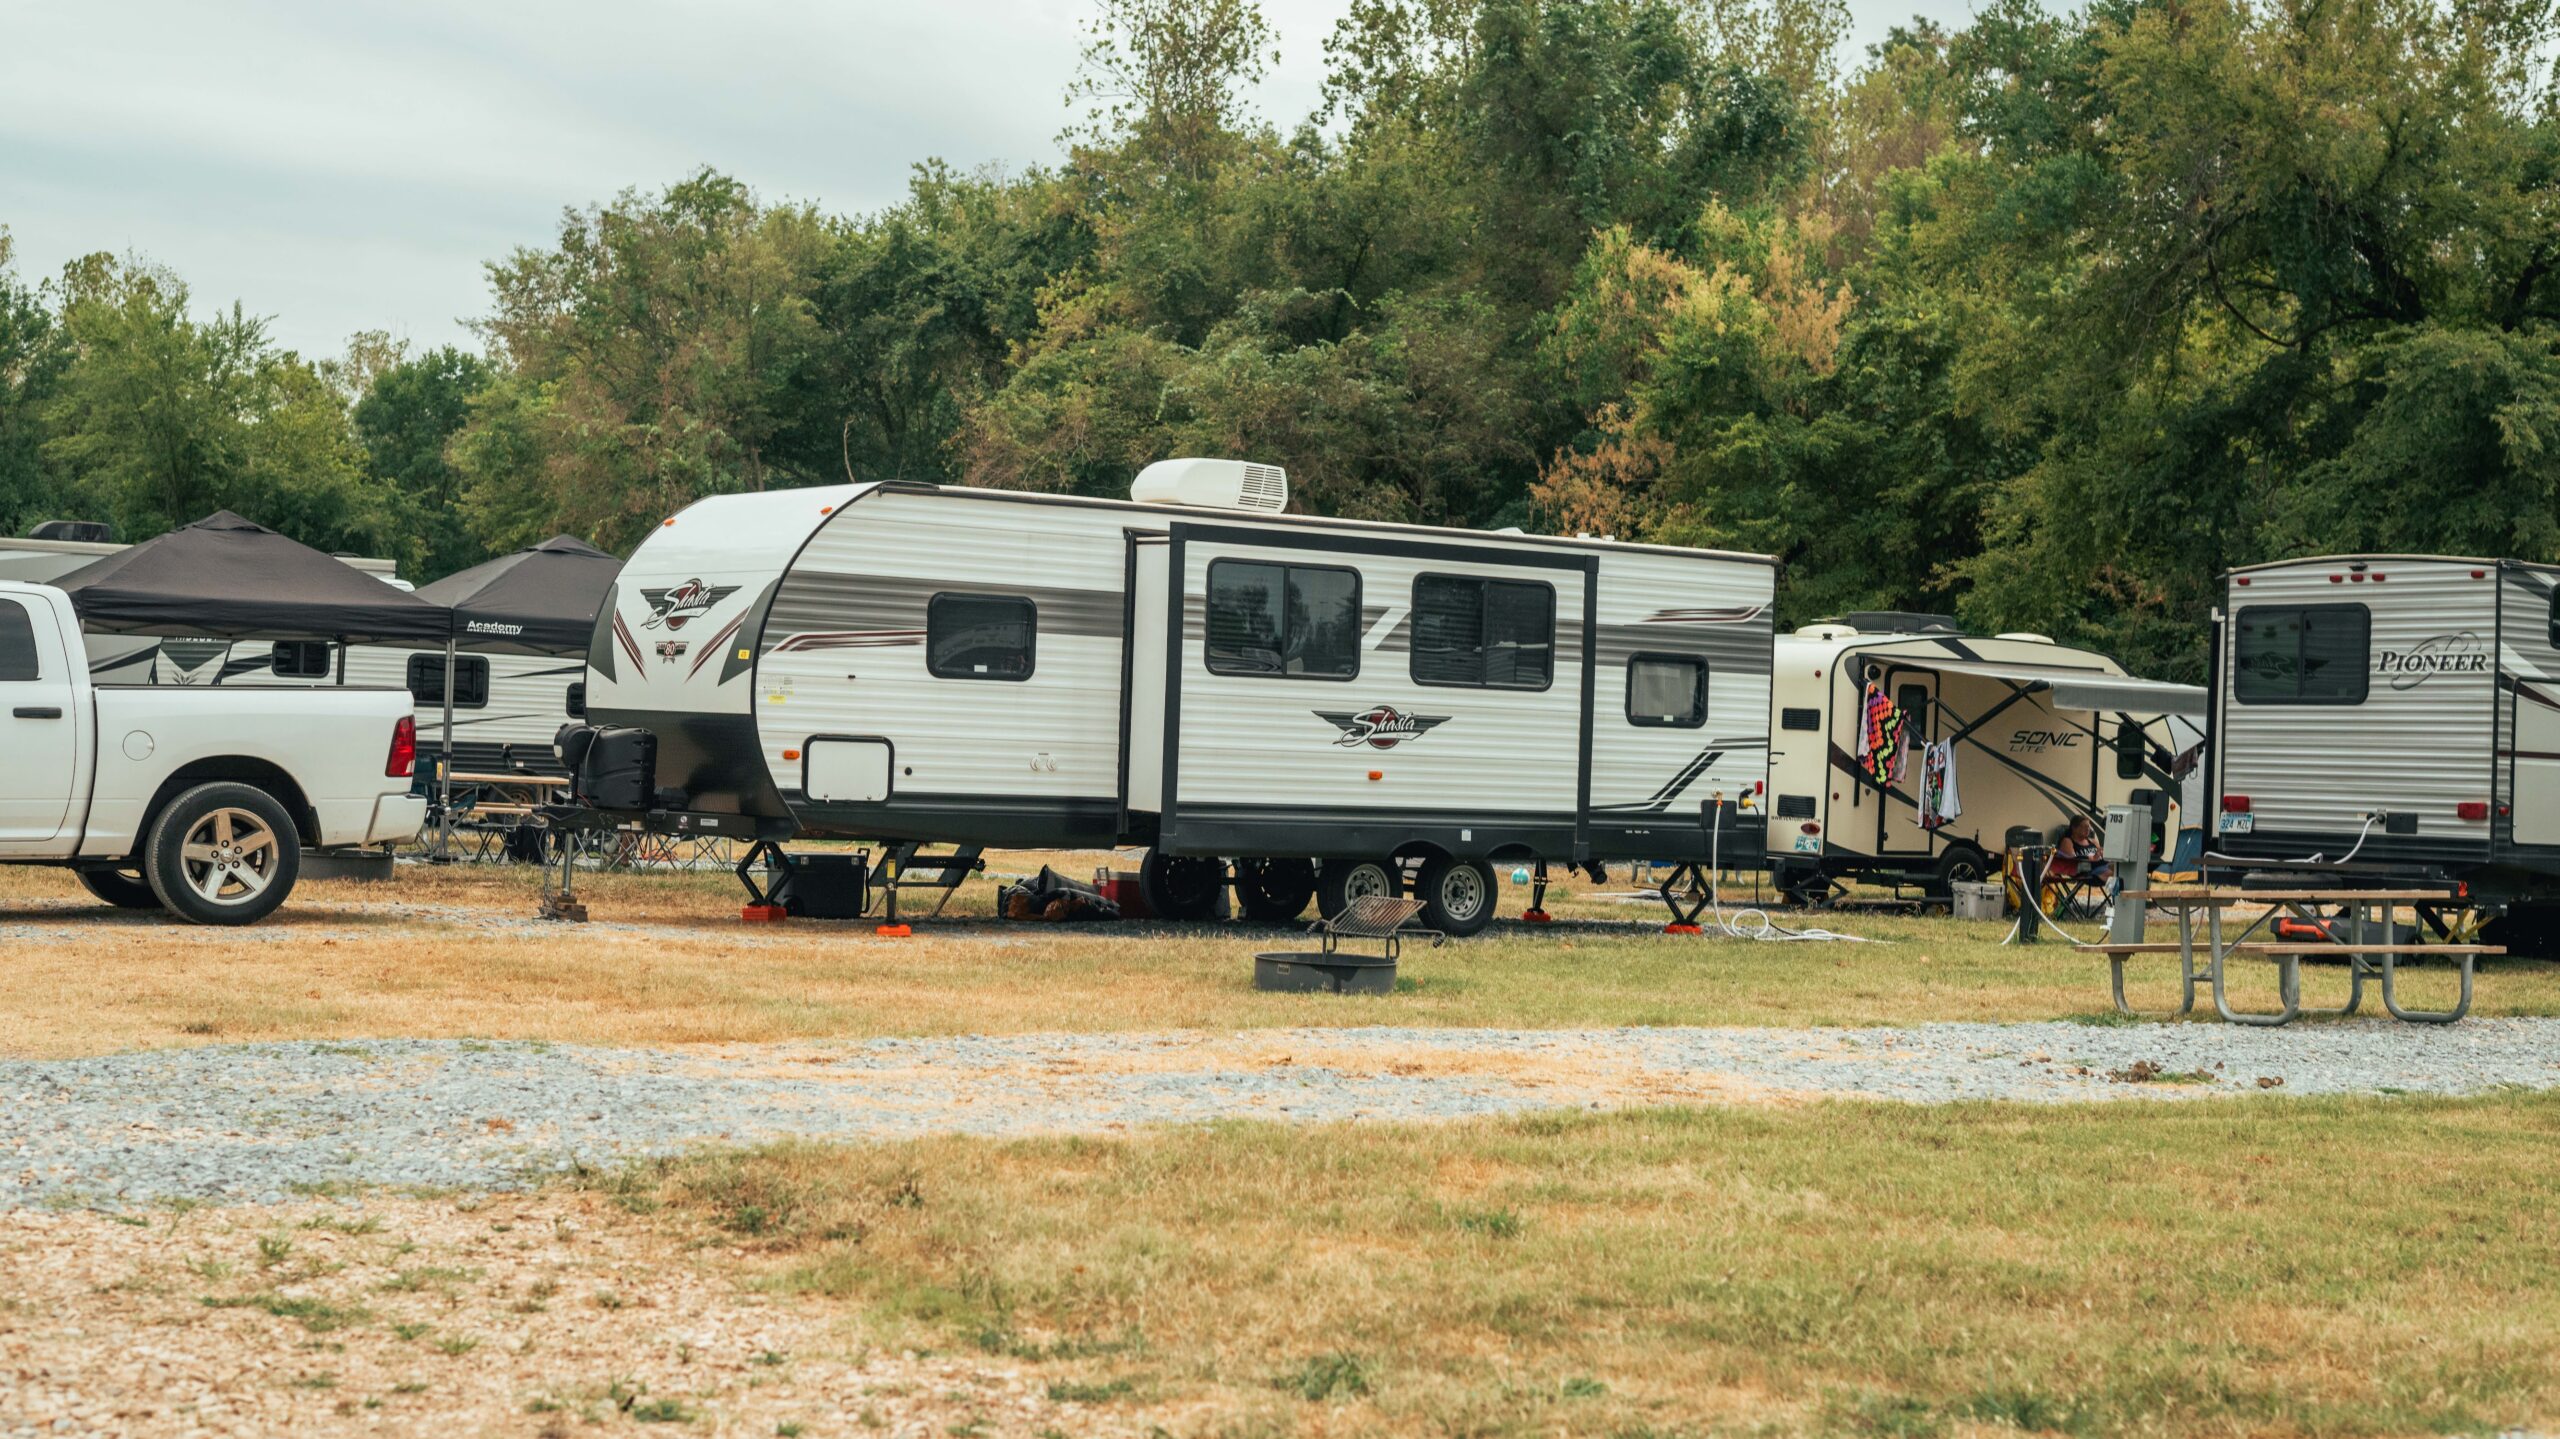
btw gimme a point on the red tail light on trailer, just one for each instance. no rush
(403, 762)
(2472, 809)
(2235, 804)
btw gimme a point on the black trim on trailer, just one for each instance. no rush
(813, 741)
(1590, 701)
(1323, 832)
(1169, 742)
(1128, 655)
(1003, 821)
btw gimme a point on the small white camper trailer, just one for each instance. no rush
(2033, 734)
(1328, 704)
(2396, 710)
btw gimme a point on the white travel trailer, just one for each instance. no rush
(1328, 704)
(2037, 733)
(2397, 710)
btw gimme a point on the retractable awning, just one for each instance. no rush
(2073, 689)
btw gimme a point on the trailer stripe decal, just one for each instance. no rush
(717, 645)
(630, 646)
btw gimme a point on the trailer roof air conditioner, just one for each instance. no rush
(1213, 485)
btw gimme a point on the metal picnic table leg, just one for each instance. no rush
(2186, 974)
(2391, 998)
(2357, 967)
(2288, 981)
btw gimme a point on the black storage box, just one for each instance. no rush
(828, 886)
(620, 769)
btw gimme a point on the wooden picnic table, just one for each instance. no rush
(2367, 950)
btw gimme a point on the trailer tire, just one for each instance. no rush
(123, 888)
(248, 854)
(1180, 887)
(1274, 891)
(1458, 896)
(1340, 881)
(1961, 864)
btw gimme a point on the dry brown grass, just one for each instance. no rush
(455, 952)
(548, 1315)
(2221, 1267)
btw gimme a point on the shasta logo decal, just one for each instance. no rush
(2454, 654)
(672, 650)
(688, 601)
(1383, 727)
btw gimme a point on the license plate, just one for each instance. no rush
(2239, 823)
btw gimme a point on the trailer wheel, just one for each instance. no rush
(123, 888)
(1962, 864)
(1458, 896)
(1274, 891)
(1340, 881)
(223, 853)
(1182, 887)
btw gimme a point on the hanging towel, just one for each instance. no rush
(1933, 774)
(1948, 806)
(1880, 742)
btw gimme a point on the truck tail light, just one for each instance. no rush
(403, 761)
(2472, 809)
(2235, 804)
(1809, 827)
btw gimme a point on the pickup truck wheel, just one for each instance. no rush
(223, 853)
(123, 888)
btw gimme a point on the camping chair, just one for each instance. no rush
(2069, 889)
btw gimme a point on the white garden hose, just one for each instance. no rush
(1754, 922)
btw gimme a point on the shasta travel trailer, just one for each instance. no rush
(2025, 732)
(2401, 710)
(1325, 704)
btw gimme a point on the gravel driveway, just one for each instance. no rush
(257, 1123)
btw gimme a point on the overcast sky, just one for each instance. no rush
(342, 165)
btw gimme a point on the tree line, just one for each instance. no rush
(2044, 321)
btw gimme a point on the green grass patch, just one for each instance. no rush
(2322, 1266)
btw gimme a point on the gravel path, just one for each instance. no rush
(257, 1123)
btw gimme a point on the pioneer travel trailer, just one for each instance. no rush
(1327, 704)
(2026, 733)
(2397, 710)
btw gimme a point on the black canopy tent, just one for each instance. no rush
(226, 578)
(541, 600)
(538, 601)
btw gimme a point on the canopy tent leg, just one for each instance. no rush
(444, 766)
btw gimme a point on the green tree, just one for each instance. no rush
(33, 354)
(408, 415)
(664, 334)
(161, 419)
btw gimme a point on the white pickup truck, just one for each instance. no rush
(199, 799)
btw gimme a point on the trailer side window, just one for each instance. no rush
(1488, 634)
(470, 681)
(300, 659)
(1283, 621)
(980, 637)
(1667, 691)
(18, 658)
(2301, 654)
(2131, 749)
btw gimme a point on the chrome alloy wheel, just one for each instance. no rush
(229, 856)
